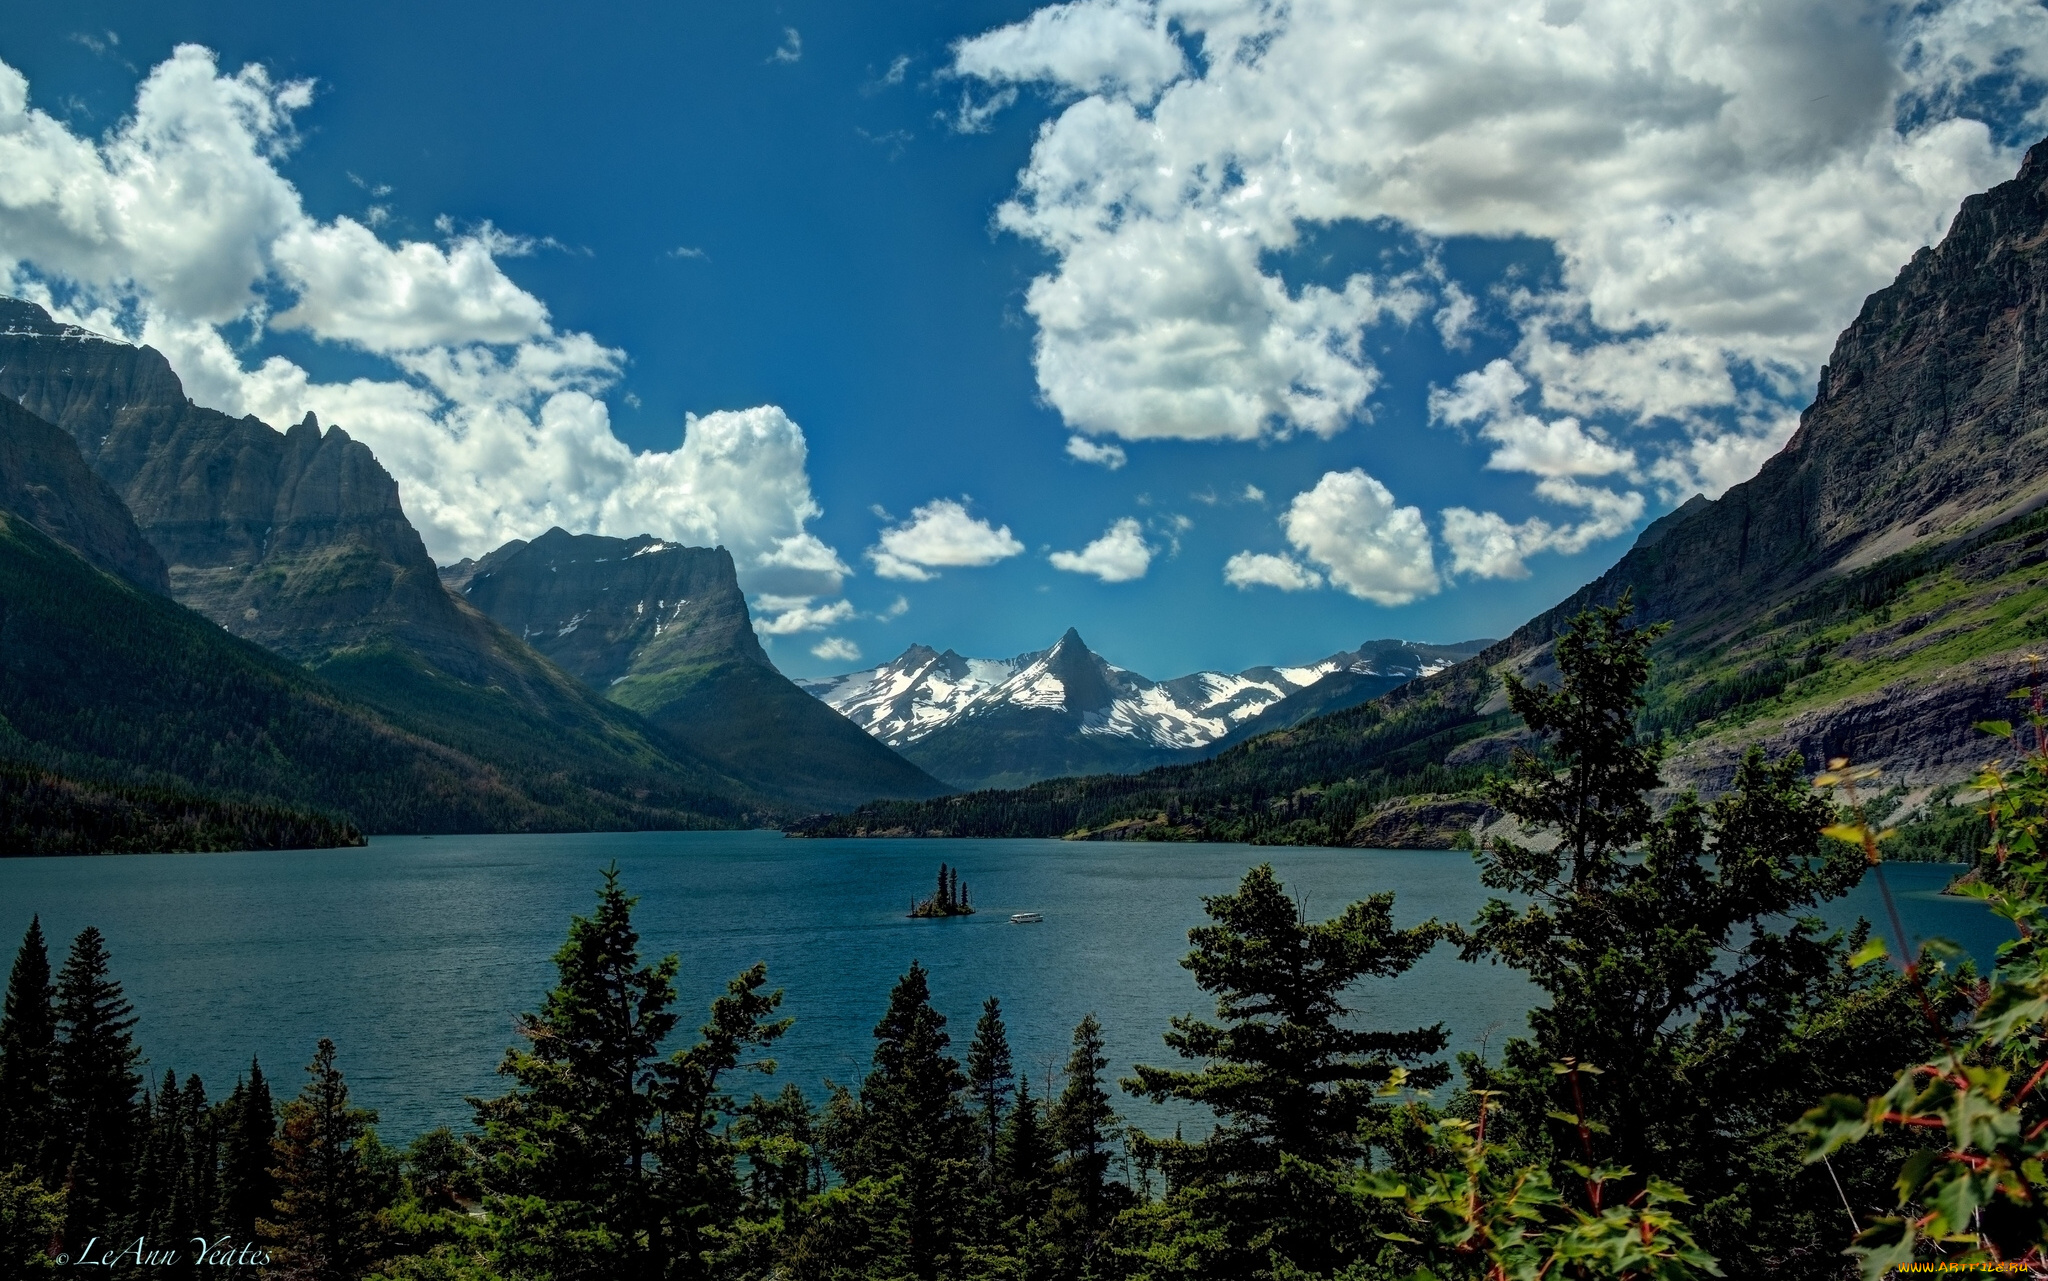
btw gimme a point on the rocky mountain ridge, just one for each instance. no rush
(664, 630)
(295, 540)
(298, 541)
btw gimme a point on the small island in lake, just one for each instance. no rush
(950, 899)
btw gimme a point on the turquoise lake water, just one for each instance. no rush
(414, 954)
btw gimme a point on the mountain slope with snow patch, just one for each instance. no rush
(978, 722)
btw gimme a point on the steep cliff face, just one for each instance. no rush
(1873, 589)
(604, 608)
(45, 481)
(1930, 423)
(296, 540)
(664, 630)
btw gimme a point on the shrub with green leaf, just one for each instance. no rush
(1973, 1190)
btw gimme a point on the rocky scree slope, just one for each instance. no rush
(1870, 593)
(664, 629)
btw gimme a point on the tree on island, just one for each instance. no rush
(949, 899)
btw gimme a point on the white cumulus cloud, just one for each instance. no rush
(788, 615)
(1364, 542)
(940, 535)
(1121, 44)
(1119, 556)
(1557, 451)
(178, 222)
(1487, 545)
(1264, 569)
(1082, 449)
(836, 649)
(1722, 181)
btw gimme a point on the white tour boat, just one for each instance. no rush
(1026, 918)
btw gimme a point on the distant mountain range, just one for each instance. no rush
(213, 632)
(1004, 722)
(1871, 593)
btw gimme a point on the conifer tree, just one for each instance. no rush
(910, 1131)
(1083, 1121)
(440, 1172)
(247, 1124)
(28, 1049)
(324, 1223)
(1292, 1087)
(785, 1163)
(568, 1152)
(1679, 957)
(989, 1073)
(1025, 1159)
(174, 1182)
(202, 1179)
(698, 1187)
(30, 1215)
(96, 1091)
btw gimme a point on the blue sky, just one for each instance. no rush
(1392, 324)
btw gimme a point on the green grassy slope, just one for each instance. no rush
(757, 726)
(103, 683)
(1908, 618)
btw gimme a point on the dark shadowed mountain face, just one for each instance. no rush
(603, 608)
(43, 480)
(123, 689)
(664, 630)
(295, 540)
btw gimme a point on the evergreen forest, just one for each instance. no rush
(1712, 1083)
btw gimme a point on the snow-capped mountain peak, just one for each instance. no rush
(922, 691)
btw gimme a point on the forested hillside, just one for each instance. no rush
(104, 684)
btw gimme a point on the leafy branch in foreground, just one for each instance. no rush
(1484, 1216)
(1975, 1191)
